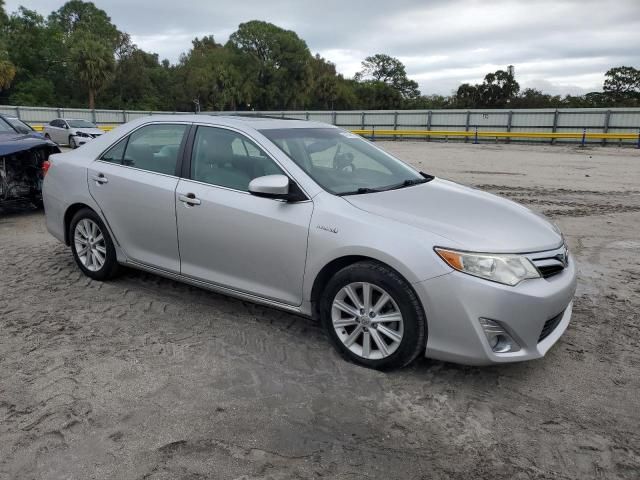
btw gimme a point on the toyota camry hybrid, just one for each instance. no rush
(312, 219)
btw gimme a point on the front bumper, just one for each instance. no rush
(81, 140)
(455, 302)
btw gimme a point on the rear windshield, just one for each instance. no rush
(20, 126)
(5, 127)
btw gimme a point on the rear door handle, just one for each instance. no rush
(189, 198)
(100, 178)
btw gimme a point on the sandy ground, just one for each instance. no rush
(145, 378)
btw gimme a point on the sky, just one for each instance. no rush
(559, 47)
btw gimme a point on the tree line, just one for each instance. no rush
(76, 57)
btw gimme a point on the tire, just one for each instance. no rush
(403, 340)
(89, 231)
(72, 143)
(47, 136)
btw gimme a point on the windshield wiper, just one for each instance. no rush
(407, 183)
(360, 191)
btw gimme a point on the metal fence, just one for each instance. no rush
(584, 124)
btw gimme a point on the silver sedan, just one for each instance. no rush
(312, 219)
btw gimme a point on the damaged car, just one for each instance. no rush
(23, 163)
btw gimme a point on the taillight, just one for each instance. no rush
(46, 165)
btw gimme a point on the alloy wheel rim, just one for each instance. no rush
(90, 245)
(367, 320)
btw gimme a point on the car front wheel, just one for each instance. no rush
(72, 143)
(91, 245)
(373, 317)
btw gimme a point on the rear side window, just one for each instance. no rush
(154, 148)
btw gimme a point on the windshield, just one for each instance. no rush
(19, 125)
(80, 124)
(341, 162)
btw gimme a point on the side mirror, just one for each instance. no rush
(270, 186)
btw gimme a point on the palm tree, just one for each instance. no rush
(94, 64)
(7, 72)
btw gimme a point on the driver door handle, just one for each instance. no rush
(100, 178)
(189, 199)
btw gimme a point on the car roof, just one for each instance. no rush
(240, 121)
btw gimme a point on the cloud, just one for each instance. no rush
(560, 46)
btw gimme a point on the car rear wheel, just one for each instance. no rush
(91, 245)
(373, 317)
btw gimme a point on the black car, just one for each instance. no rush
(24, 155)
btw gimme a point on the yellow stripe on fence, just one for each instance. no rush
(485, 134)
(106, 128)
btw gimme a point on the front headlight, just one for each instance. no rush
(82, 134)
(502, 268)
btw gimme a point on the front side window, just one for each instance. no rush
(155, 148)
(342, 163)
(228, 159)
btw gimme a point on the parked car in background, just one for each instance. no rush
(20, 126)
(72, 132)
(24, 157)
(315, 220)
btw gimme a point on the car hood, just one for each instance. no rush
(471, 219)
(91, 131)
(18, 142)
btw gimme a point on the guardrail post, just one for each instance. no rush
(18, 113)
(306, 115)
(362, 120)
(584, 137)
(556, 114)
(334, 116)
(373, 133)
(93, 116)
(124, 116)
(429, 115)
(638, 138)
(466, 125)
(395, 123)
(607, 116)
(509, 118)
(475, 138)
(59, 112)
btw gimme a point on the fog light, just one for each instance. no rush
(499, 340)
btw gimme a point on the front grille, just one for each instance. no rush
(549, 326)
(551, 263)
(550, 270)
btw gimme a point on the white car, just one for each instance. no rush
(312, 219)
(72, 132)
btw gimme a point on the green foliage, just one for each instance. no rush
(35, 91)
(276, 65)
(391, 71)
(622, 84)
(76, 57)
(496, 91)
(7, 68)
(93, 64)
